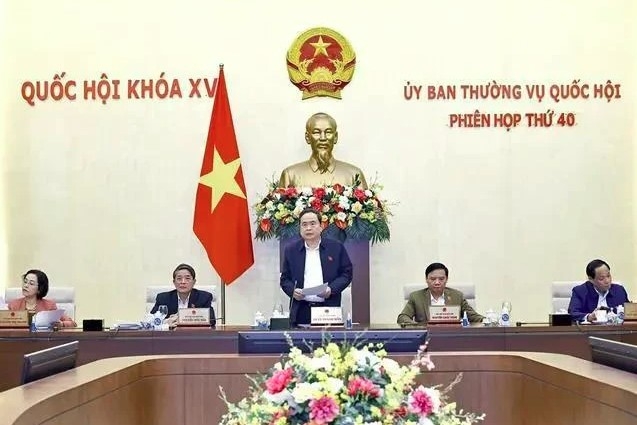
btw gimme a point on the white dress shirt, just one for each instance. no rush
(601, 300)
(439, 301)
(182, 304)
(313, 275)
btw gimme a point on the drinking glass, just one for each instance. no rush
(507, 305)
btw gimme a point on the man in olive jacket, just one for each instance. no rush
(416, 310)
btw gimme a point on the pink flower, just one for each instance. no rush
(279, 380)
(362, 386)
(424, 401)
(323, 410)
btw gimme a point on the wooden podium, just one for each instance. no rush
(358, 251)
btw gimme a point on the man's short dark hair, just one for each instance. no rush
(184, 266)
(436, 266)
(593, 265)
(312, 211)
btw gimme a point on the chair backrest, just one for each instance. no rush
(64, 297)
(561, 294)
(467, 289)
(152, 291)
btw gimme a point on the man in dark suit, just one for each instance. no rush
(597, 293)
(313, 261)
(184, 295)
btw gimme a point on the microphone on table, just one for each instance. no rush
(518, 324)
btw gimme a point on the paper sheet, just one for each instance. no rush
(44, 319)
(314, 290)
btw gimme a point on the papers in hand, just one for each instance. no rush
(44, 319)
(314, 290)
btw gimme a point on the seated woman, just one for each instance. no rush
(34, 288)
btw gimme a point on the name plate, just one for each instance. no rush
(444, 313)
(14, 319)
(630, 312)
(321, 316)
(193, 317)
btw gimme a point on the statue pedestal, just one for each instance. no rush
(358, 252)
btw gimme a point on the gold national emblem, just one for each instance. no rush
(321, 62)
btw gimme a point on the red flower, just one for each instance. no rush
(291, 192)
(359, 194)
(265, 225)
(338, 188)
(279, 380)
(318, 192)
(317, 204)
(362, 386)
(400, 412)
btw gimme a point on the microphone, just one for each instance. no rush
(518, 324)
(292, 297)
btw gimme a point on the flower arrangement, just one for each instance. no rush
(344, 385)
(347, 211)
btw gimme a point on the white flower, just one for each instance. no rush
(343, 202)
(305, 391)
(392, 368)
(266, 214)
(269, 206)
(368, 193)
(329, 190)
(307, 191)
(278, 398)
(347, 192)
(357, 207)
(425, 421)
(322, 362)
(364, 357)
(341, 216)
(298, 209)
(333, 385)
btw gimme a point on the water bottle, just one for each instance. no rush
(259, 321)
(505, 319)
(620, 314)
(348, 321)
(465, 320)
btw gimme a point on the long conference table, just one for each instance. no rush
(509, 387)
(569, 340)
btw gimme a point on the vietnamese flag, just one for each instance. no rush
(221, 220)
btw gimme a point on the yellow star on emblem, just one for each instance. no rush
(221, 179)
(320, 47)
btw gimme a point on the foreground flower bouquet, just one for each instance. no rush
(355, 213)
(346, 384)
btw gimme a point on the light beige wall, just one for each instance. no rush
(101, 196)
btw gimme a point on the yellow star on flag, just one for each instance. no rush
(320, 46)
(221, 179)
